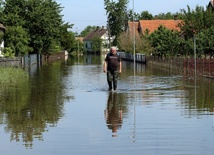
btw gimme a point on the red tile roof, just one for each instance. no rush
(153, 25)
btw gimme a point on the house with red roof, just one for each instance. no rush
(101, 33)
(149, 26)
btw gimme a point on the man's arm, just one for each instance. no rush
(120, 70)
(104, 66)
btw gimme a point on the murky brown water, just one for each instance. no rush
(66, 109)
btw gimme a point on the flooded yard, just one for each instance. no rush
(66, 109)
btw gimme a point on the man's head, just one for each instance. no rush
(113, 50)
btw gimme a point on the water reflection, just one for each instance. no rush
(113, 114)
(28, 109)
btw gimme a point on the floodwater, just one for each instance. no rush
(65, 109)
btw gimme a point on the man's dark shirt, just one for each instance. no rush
(113, 61)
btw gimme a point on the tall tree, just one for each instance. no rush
(42, 21)
(117, 17)
(196, 20)
(165, 42)
(44, 24)
(145, 15)
(17, 39)
(16, 36)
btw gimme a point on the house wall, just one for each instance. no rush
(1, 48)
(1, 44)
(87, 46)
(105, 48)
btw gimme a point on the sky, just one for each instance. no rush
(83, 13)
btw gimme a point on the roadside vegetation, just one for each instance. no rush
(11, 76)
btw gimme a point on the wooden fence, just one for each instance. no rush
(8, 62)
(188, 66)
(32, 59)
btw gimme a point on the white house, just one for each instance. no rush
(100, 32)
(2, 30)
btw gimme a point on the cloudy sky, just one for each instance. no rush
(82, 13)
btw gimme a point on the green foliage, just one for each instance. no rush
(196, 20)
(12, 76)
(1, 36)
(117, 15)
(78, 46)
(145, 15)
(67, 39)
(17, 39)
(205, 42)
(96, 44)
(8, 52)
(1, 6)
(164, 41)
(87, 30)
(142, 44)
(41, 24)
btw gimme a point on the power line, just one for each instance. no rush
(202, 2)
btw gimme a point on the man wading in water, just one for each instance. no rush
(112, 66)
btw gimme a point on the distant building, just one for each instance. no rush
(150, 26)
(79, 39)
(101, 33)
(2, 30)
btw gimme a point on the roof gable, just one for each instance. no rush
(133, 26)
(99, 32)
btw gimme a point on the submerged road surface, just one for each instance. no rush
(66, 109)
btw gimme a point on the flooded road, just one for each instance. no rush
(66, 109)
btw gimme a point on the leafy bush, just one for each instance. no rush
(8, 52)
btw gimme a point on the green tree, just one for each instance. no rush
(145, 15)
(117, 17)
(96, 44)
(165, 42)
(44, 24)
(205, 42)
(142, 44)
(196, 20)
(17, 39)
(42, 21)
(67, 39)
(87, 30)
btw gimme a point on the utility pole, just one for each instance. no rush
(133, 36)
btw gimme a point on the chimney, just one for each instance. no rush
(175, 17)
(97, 28)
